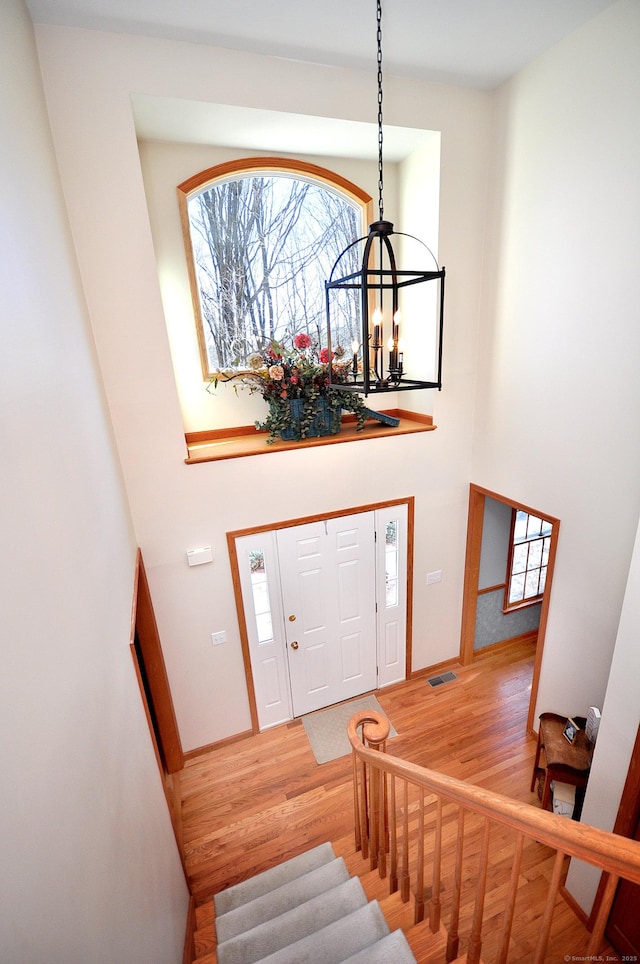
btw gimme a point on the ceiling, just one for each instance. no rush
(471, 43)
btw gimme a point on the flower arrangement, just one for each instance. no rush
(299, 375)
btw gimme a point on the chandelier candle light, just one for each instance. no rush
(376, 287)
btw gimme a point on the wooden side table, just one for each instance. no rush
(563, 761)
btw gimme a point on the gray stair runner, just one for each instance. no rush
(307, 910)
(262, 883)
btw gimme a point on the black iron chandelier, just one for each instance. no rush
(372, 283)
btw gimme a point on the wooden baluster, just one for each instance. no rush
(364, 811)
(405, 880)
(602, 916)
(356, 804)
(475, 941)
(393, 856)
(503, 953)
(382, 825)
(374, 812)
(375, 742)
(365, 806)
(453, 938)
(377, 786)
(419, 898)
(385, 804)
(545, 928)
(434, 913)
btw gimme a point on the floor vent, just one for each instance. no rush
(439, 680)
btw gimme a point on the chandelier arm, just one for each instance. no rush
(366, 333)
(394, 273)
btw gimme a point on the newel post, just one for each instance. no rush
(371, 819)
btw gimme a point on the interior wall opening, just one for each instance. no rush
(493, 515)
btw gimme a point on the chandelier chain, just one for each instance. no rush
(380, 166)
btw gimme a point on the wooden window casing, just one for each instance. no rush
(528, 560)
(252, 166)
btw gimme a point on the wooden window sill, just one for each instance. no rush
(245, 440)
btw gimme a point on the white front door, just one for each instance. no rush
(327, 574)
(347, 591)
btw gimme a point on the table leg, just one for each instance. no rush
(535, 765)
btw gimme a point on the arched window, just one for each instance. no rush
(262, 235)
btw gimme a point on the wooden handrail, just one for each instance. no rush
(616, 855)
(613, 853)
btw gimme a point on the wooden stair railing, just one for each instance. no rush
(381, 787)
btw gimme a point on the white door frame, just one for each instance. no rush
(279, 698)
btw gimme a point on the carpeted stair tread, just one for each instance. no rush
(282, 899)
(320, 912)
(392, 949)
(337, 942)
(268, 880)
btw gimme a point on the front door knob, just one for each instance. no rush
(294, 644)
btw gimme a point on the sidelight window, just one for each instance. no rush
(391, 564)
(260, 591)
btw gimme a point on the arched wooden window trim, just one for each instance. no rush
(248, 165)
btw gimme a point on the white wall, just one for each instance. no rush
(494, 554)
(559, 358)
(559, 391)
(89, 77)
(616, 736)
(90, 870)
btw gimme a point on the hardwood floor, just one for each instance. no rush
(251, 804)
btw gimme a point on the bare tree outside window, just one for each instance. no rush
(262, 246)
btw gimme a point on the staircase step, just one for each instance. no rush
(320, 912)
(205, 914)
(204, 941)
(282, 899)
(392, 949)
(211, 958)
(248, 890)
(427, 947)
(337, 942)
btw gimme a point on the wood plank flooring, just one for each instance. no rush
(252, 804)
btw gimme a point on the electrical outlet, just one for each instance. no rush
(218, 638)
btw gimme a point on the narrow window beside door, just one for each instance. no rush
(391, 563)
(260, 590)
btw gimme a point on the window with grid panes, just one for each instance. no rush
(528, 559)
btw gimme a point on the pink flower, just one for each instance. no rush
(324, 355)
(302, 341)
(276, 372)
